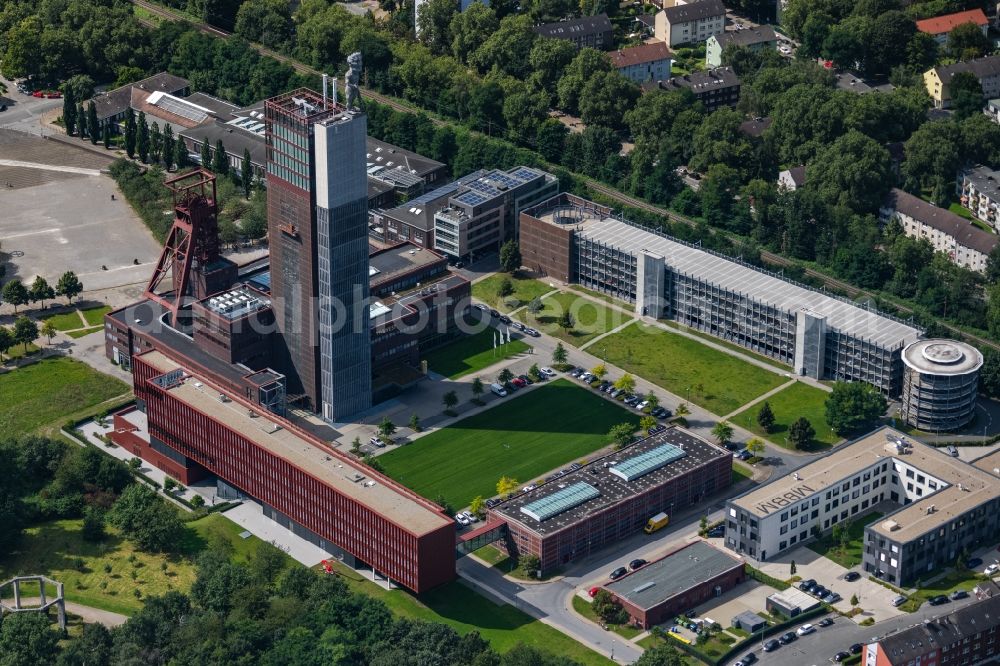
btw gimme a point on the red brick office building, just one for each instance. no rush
(347, 509)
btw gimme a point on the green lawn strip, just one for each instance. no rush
(471, 353)
(788, 405)
(951, 581)
(586, 609)
(726, 343)
(604, 297)
(525, 289)
(95, 315)
(681, 365)
(828, 547)
(465, 611)
(524, 436)
(84, 331)
(591, 319)
(18, 351)
(64, 321)
(492, 555)
(49, 390)
(741, 472)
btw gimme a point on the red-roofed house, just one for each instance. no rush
(646, 62)
(940, 26)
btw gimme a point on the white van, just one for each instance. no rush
(499, 390)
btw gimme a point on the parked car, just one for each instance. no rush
(532, 332)
(807, 584)
(490, 503)
(377, 441)
(632, 400)
(973, 563)
(593, 591)
(636, 563)
(991, 569)
(498, 390)
(749, 658)
(805, 630)
(851, 576)
(575, 372)
(461, 520)
(481, 306)
(938, 600)
(959, 594)
(717, 532)
(657, 429)
(642, 405)
(618, 573)
(691, 613)
(744, 455)
(526, 379)
(826, 622)
(505, 319)
(952, 451)
(831, 597)
(733, 446)
(771, 645)
(528, 488)
(787, 638)
(518, 382)
(547, 371)
(819, 591)
(510, 387)
(841, 656)
(898, 600)
(517, 326)
(661, 413)
(856, 648)
(494, 313)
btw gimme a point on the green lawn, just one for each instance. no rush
(84, 331)
(586, 609)
(95, 315)
(727, 344)
(954, 580)
(58, 550)
(850, 556)
(788, 405)
(471, 353)
(64, 321)
(523, 437)
(466, 611)
(53, 389)
(713, 379)
(525, 289)
(18, 351)
(591, 319)
(741, 472)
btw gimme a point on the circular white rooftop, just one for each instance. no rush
(942, 357)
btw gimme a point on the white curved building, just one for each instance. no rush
(940, 382)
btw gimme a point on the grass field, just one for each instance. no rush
(523, 437)
(471, 353)
(525, 289)
(586, 609)
(18, 351)
(64, 321)
(95, 315)
(713, 379)
(84, 331)
(58, 550)
(788, 405)
(727, 344)
(53, 389)
(465, 611)
(741, 472)
(850, 556)
(592, 319)
(946, 584)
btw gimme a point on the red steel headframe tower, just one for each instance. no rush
(193, 238)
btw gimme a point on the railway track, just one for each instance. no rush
(769, 257)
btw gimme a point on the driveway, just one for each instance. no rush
(748, 597)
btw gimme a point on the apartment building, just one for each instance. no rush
(987, 70)
(714, 88)
(756, 39)
(592, 32)
(690, 22)
(940, 27)
(979, 191)
(646, 62)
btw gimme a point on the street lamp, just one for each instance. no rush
(612, 649)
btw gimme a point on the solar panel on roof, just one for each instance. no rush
(561, 501)
(181, 108)
(647, 462)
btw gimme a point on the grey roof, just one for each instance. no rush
(380, 152)
(219, 107)
(700, 82)
(695, 11)
(613, 489)
(674, 574)
(797, 174)
(648, 20)
(235, 139)
(575, 28)
(755, 127)
(419, 211)
(985, 179)
(980, 68)
(756, 285)
(117, 101)
(748, 37)
(959, 625)
(963, 231)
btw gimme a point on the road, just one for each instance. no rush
(24, 111)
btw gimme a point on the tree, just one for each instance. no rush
(48, 330)
(723, 432)
(510, 256)
(647, 423)
(206, 155)
(566, 321)
(246, 173)
(967, 41)
(181, 158)
(801, 432)
(765, 417)
(535, 305)
(506, 486)
(69, 111)
(69, 286)
(478, 506)
(81, 121)
(434, 19)
(682, 409)
(853, 171)
(599, 371)
(155, 143)
(167, 151)
(27, 639)
(755, 445)
(41, 291)
(652, 401)
(146, 520)
(15, 293)
(792, 569)
(92, 124)
(852, 405)
(25, 331)
(608, 608)
(356, 446)
(93, 524)
(106, 135)
(661, 655)
(966, 94)
(220, 159)
(415, 423)
(854, 600)
(6, 340)
(386, 428)
(621, 435)
(130, 132)
(534, 374)
(559, 354)
(470, 28)
(506, 288)
(505, 376)
(625, 383)
(142, 142)
(477, 388)
(450, 399)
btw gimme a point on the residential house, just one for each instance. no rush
(939, 26)
(965, 244)
(590, 31)
(756, 39)
(979, 189)
(755, 127)
(714, 88)
(992, 110)
(112, 105)
(646, 62)
(686, 23)
(987, 70)
(792, 179)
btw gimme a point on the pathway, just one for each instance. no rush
(604, 335)
(759, 399)
(88, 614)
(50, 167)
